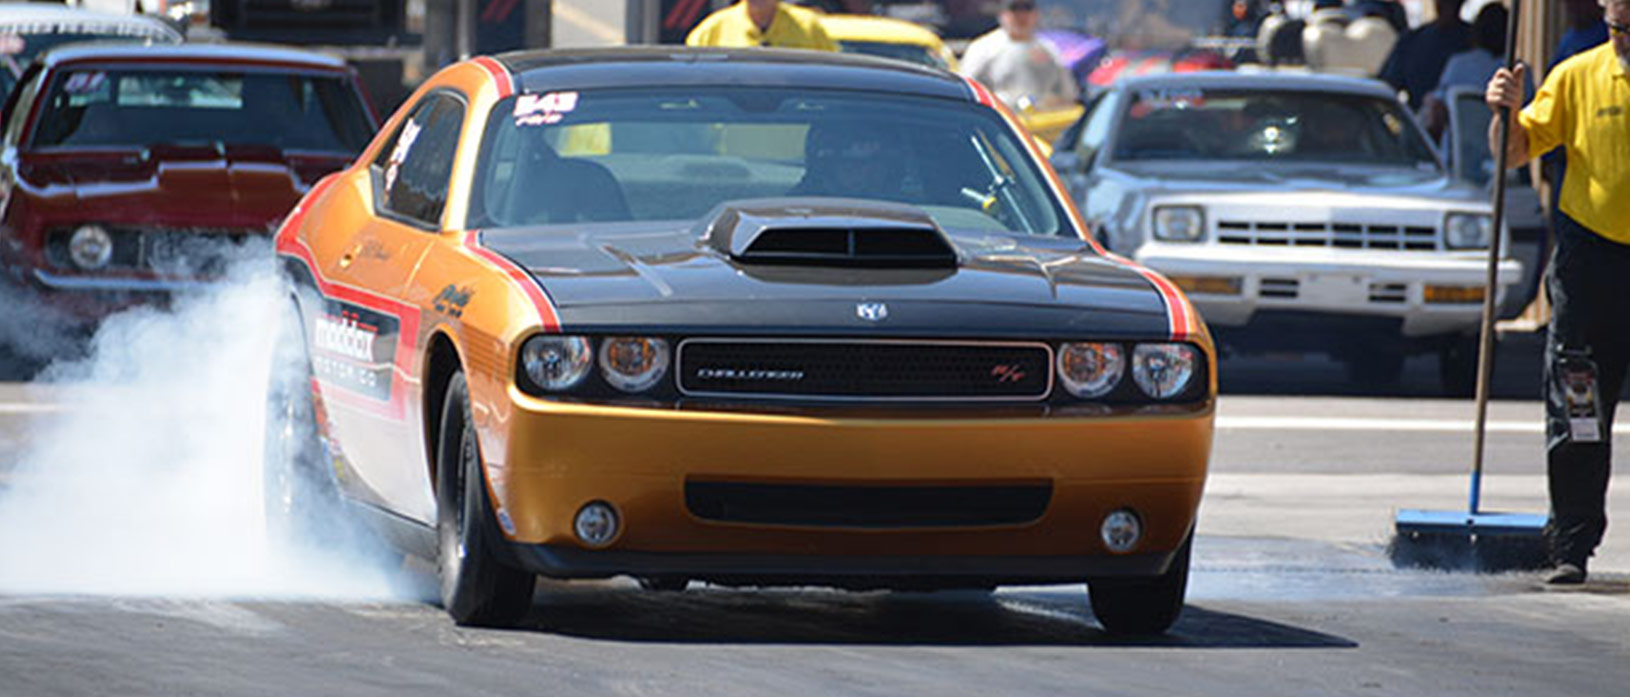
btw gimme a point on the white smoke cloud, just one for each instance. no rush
(148, 482)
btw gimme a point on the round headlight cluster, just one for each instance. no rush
(1163, 371)
(90, 247)
(1089, 370)
(557, 363)
(633, 363)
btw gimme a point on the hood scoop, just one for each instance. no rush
(828, 232)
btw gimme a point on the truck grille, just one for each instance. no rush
(1324, 234)
(867, 506)
(865, 369)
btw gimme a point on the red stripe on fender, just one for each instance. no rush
(1177, 312)
(500, 75)
(547, 317)
(980, 94)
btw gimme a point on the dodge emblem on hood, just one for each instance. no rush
(872, 312)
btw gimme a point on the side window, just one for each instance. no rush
(413, 170)
(1096, 131)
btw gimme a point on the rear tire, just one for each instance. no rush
(299, 492)
(477, 589)
(1143, 605)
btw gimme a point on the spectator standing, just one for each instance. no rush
(762, 23)
(1471, 68)
(1417, 60)
(1013, 61)
(1586, 30)
(1583, 107)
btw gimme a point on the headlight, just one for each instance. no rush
(91, 247)
(1090, 370)
(633, 363)
(1468, 231)
(1179, 223)
(556, 363)
(1163, 371)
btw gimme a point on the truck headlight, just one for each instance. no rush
(1090, 370)
(1163, 371)
(1179, 223)
(1468, 231)
(556, 363)
(90, 247)
(633, 363)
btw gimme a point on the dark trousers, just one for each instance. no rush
(1589, 285)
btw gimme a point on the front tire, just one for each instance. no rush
(477, 589)
(1143, 605)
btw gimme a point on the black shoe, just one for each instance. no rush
(1566, 574)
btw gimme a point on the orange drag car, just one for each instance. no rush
(740, 317)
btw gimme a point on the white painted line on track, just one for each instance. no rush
(1318, 423)
(29, 408)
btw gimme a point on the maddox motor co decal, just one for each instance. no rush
(354, 347)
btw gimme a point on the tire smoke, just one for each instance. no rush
(147, 481)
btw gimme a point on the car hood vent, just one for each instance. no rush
(828, 232)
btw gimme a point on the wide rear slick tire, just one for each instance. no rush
(1143, 605)
(477, 587)
(300, 495)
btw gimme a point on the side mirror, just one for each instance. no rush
(1066, 161)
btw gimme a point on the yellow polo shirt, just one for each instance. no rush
(1584, 106)
(793, 27)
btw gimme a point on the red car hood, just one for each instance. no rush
(209, 186)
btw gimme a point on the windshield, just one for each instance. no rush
(647, 154)
(1269, 125)
(140, 107)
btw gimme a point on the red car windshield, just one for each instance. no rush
(137, 107)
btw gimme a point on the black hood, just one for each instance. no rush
(683, 276)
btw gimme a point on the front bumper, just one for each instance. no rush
(557, 457)
(1337, 282)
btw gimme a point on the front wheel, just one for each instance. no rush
(1143, 605)
(477, 589)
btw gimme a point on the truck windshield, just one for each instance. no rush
(1272, 125)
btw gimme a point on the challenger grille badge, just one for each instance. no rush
(872, 312)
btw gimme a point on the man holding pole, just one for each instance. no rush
(1584, 108)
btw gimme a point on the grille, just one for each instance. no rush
(1339, 235)
(867, 506)
(190, 252)
(865, 370)
(1281, 288)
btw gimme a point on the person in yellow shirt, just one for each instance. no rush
(762, 23)
(1583, 107)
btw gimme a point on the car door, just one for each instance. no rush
(366, 340)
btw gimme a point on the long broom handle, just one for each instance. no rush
(1485, 342)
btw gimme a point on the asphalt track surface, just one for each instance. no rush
(1291, 594)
